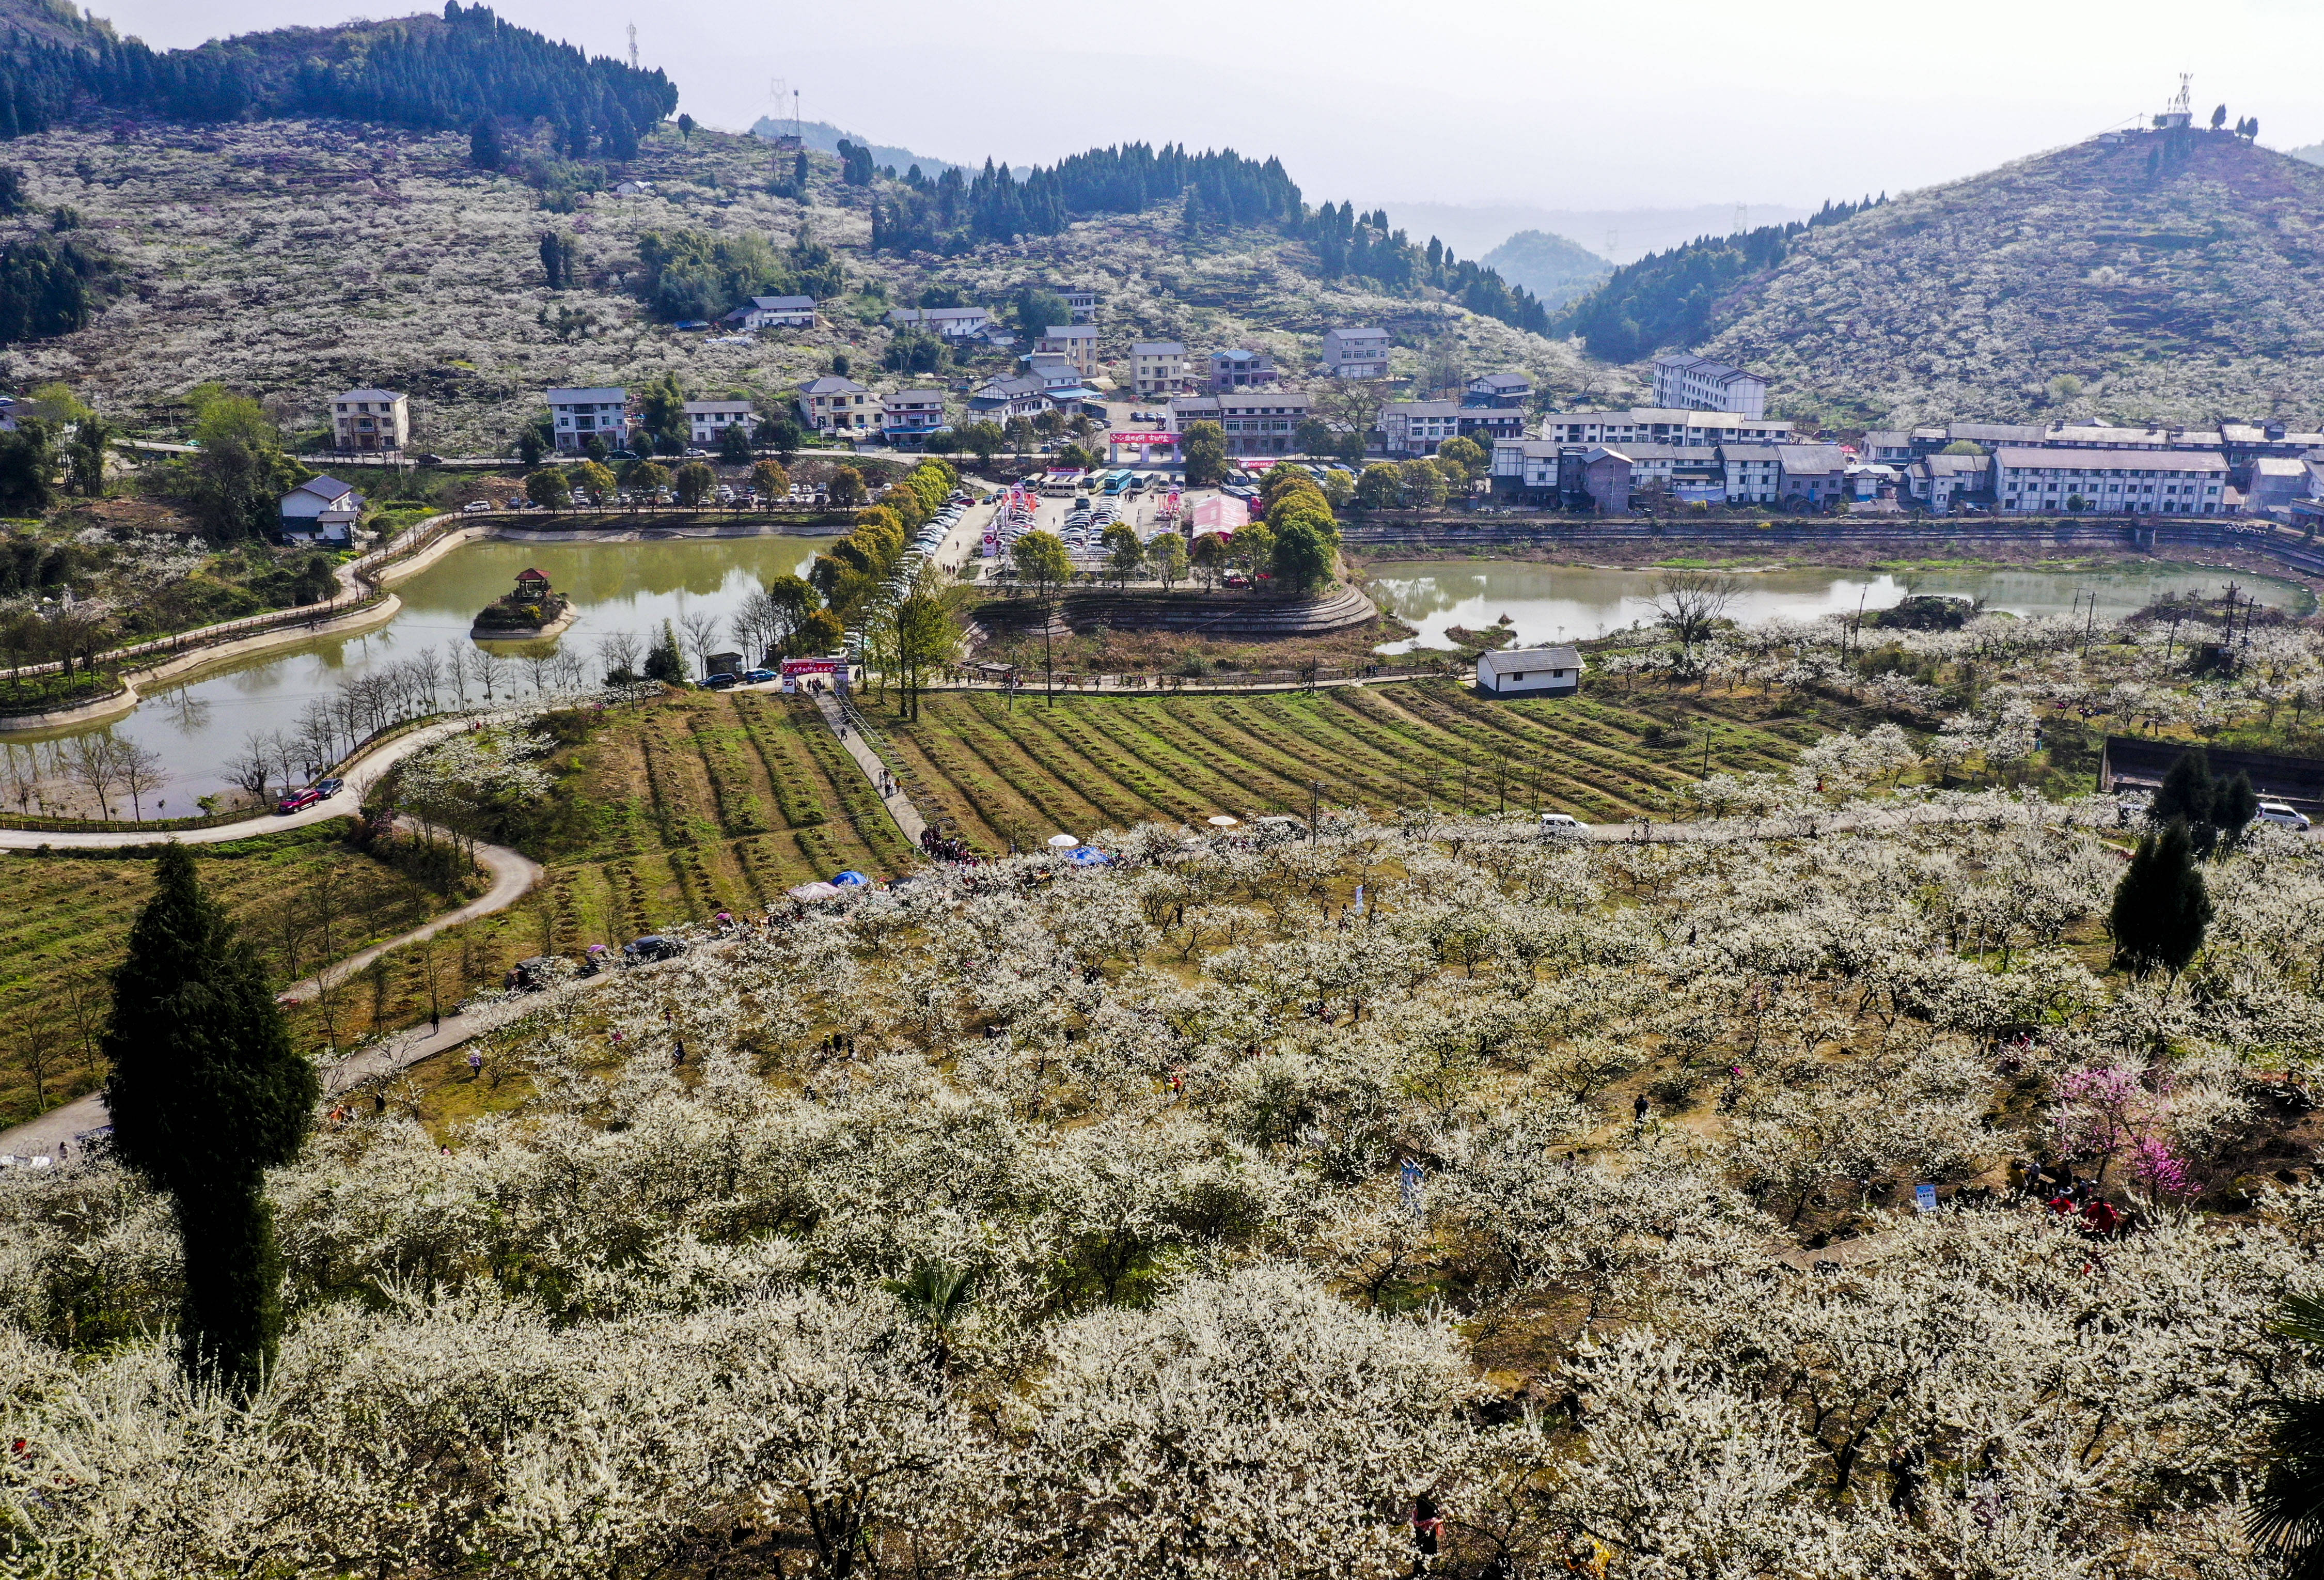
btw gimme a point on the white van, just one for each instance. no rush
(1559, 826)
(2283, 815)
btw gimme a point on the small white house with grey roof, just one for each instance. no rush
(706, 422)
(774, 312)
(321, 510)
(1530, 671)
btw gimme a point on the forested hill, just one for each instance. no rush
(1218, 190)
(426, 72)
(2160, 277)
(1671, 298)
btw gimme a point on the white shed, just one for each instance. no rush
(1530, 671)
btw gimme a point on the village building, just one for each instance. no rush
(577, 415)
(1698, 384)
(321, 510)
(1356, 353)
(1158, 367)
(1530, 671)
(706, 422)
(952, 323)
(1239, 367)
(1076, 343)
(837, 405)
(773, 312)
(911, 415)
(2046, 482)
(371, 419)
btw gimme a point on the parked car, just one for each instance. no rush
(330, 787)
(758, 677)
(1561, 826)
(721, 682)
(652, 946)
(2283, 815)
(297, 802)
(530, 974)
(474, 505)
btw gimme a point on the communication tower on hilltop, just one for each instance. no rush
(633, 46)
(789, 142)
(1742, 218)
(2180, 112)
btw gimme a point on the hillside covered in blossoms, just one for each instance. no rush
(2141, 279)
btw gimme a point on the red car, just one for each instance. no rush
(304, 799)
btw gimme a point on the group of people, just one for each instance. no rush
(944, 847)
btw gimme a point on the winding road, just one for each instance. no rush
(513, 877)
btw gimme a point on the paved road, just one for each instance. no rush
(514, 876)
(359, 776)
(899, 805)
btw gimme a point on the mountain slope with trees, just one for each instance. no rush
(2160, 277)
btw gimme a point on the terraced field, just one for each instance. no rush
(1020, 774)
(68, 919)
(703, 802)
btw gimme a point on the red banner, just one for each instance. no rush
(1143, 438)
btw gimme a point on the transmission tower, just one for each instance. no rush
(633, 46)
(1613, 240)
(1742, 218)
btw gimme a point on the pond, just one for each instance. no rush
(198, 726)
(1554, 603)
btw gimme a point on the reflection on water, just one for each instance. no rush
(1553, 603)
(198, 727)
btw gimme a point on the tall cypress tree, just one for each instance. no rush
(2160, 907)
(205, 1096)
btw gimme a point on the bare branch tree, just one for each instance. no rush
(141, 773)
(702, 631)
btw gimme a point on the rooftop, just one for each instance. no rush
(2113, 461)
(370, 395)
(1525, 661)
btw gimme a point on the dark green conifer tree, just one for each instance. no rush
(2160, 907)
(206, 1095)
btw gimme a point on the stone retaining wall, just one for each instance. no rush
(1230, 615)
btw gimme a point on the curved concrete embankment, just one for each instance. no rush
(1227, 614)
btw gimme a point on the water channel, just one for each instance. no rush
(1552, 603)
(197, 726)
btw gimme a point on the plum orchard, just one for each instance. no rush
(1034, 1221)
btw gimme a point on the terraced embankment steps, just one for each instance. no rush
(1222, 614)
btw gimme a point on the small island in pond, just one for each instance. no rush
(533, 610)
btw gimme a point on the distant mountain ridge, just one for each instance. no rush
(432, 72)
(1555, 268)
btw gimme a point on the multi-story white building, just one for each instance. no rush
(1260, 422)
(1416, 428)
(1755, 472)
(1663, 425)
(1697, 384)
(1025, 394)
(1356, 353)
(953, 323)
(1525, 466)
(577, 415)
(1076, 343)
(371, 419)
(2048, 482)
(706, 422)
(911, 414)
(832, 404)
(1158, 367)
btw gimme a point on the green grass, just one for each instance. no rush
(700, 802)
(1020, 774)
(69, 922)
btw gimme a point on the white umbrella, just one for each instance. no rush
(1062, 842)
(1223, 821)
(808, 893)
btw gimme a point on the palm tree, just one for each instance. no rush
(2288, 1513)
(936, 1295)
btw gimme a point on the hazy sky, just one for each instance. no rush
(1526, 101)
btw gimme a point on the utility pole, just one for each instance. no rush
(1706, 753)
(1314, 807)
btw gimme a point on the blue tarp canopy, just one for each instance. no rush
(1086, 857)
(851, 879)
